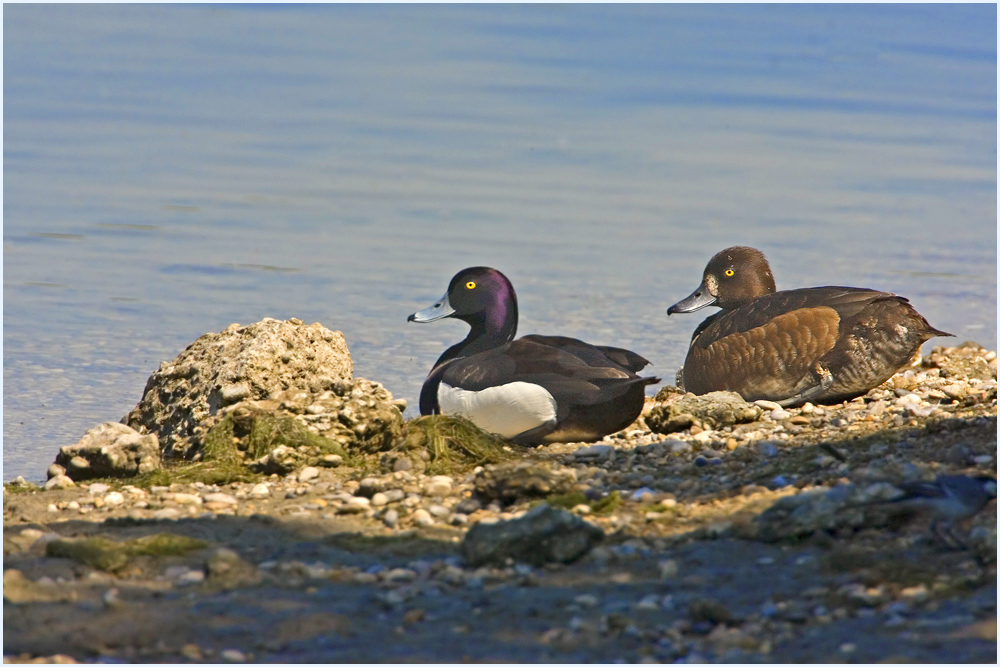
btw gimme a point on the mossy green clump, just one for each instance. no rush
(27, 487)
(605, 505)
(454, 443)
(110, 556)
(97, 552)
(261, 431)
(235, 440)
(164, 544)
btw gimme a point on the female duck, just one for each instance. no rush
(537, 389)
(824, 344)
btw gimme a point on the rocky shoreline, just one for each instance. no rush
(710, 530)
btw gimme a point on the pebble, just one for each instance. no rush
(354, 505)
(438, 485)
(438, 511)
(233, 655)
(260, 491)
(166, 513)
(649, 603)
(191, 577)
(394, 495)
(184, 498)
(399, 575)
(780, 414)
(113, 499)
(390, 518)
(59, 482)
(767, 405)
(97, 489)
(594, 452)
(422, 518)
(379, 500)
(223, 498)
(308, 473)
(678, 446)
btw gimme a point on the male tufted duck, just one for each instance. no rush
(537, 389)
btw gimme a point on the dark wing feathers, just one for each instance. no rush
(594, 355)
(566, 367)
(846, 301)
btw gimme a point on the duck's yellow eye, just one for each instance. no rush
(729, 273)
(470, 285)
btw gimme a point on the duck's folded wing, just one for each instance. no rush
(562, 373)
(812, 302)
(594, 355)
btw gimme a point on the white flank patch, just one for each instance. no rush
(505, 410)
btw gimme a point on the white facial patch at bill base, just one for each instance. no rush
(506, 410)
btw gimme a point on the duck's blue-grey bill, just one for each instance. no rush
(698, 300)
(439, 310)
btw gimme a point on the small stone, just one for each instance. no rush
(468, 506)
(222, 498)
(955, 391)
(260, 491)
(594, 452)
(780, 414)
(191, 577)
(390, 518)
(678, 446)
(59, 482)
(166, 513)
(649, 603)
(186, 499)
(354, 505)
(97, 489)
(379, 500)
(767, 405)
(399, 575)
(422, 518)
(232, 655)
(308, 473)
(917, 593)
(438, 511)
(438, 488)
(54, 471)
(113, 499)
(192, 653)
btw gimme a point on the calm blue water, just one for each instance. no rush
(169, 170)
